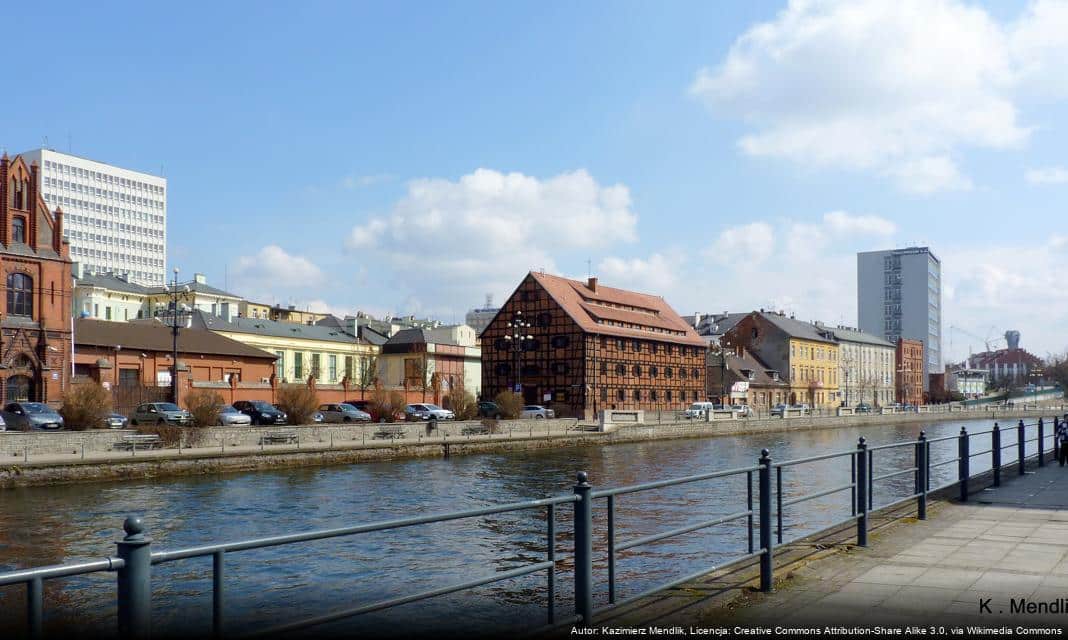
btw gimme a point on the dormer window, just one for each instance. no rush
(18, 229)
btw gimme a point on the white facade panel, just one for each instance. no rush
(114, 218)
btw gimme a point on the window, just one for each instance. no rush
(653, 371)
(637, 370)
(559, 342)
(682, 374)
(621, 344)
(107, 313)
(604, 394)
(298, 365)
(619, 395)
(669, 395)
(19, 295)
(349, 373)
(652, 395)
(637, 346)
(543, 319)
(667, 372)
(637, 395)
(604, 367)
(331, 367)
(504, 369)
(280, 364)
(18, 229)
(620, 369)
(560, 368)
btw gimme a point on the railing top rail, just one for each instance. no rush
(893, 445)
(825, 456)
(273, 541)
(645, 486)
(60, 570)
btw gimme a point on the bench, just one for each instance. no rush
(476, 430)
(139, 441)
(389, 431)
(279, 437)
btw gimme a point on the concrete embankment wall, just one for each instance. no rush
(234, 449)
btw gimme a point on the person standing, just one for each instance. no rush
(1062, 441)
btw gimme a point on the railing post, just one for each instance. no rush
(1020, 445)
(584, 550)
(962, 464)
(1041, 437)
(921, 476)
(766, 544)
(862, 492)
(995, 438)
(135, 581)
(35, 608)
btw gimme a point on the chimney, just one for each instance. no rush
(592, 284)
(76, 269)
(57, 233)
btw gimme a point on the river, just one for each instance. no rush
(44, 525)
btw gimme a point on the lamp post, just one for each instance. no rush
(174, 336)
(517, 329)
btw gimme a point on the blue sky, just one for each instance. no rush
(413, 157)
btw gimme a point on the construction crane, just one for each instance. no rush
(988, 341)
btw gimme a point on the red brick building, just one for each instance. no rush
(593, 347)
(35, 267)
(909, 384)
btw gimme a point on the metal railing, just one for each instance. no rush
(764, 524)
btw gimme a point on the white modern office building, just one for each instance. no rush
(899, 295)
(115, 218)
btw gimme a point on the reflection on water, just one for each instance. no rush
(44, 525)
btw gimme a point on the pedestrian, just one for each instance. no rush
(1062, 441)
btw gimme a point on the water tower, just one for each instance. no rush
(1012, 339)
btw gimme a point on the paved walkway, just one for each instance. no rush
(1008, 543)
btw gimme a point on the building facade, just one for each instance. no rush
(328, 354)
(479, 318)
(114, 297)
(35, 325)
(592, 347)
(116, 218)
(970, 383)
(867, 367)
(910, 371)
(432, 361)
(736, 376)
(899, 295)
(805, 354)
(1007, 368)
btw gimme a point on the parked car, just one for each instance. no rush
(537, 412)
(909, 407)
(863, 407)
(228, 415)
(343, 412)
(424, 411)
(699, 409)
(362, 405)
(779, 410)
(116, 421)
(261, 412)
(32, 416)
(3, 425)
(317, 417)
(489, 410)
(742, 410)
(161, 413)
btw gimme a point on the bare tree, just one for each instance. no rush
(368, 375)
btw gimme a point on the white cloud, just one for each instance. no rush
(360, 182)
(483, 231)
(752, 243)
(272, 270)
(845, 223)
(1047, 175)
(894, 87)
(657, 273)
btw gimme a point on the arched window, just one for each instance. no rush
(19, 295)
(18, 229)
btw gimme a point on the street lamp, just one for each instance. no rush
(517, 329)
(175, 319)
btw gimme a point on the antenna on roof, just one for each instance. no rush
(589, 267)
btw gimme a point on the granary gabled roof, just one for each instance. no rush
(608, 311)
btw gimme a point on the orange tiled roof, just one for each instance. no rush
(617, 312)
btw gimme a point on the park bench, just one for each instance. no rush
(139, 441)
(279, 437)
(389, 431)
(476, 430)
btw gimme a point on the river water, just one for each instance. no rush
(45, 525)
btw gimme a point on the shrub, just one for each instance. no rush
(171, 434)
(85, 406)
(385, 405)
(462, 403)
(299, 402)
(204, 405)
(511, 403)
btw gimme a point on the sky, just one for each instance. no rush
(415, 157)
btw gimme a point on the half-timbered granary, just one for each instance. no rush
(580, 347)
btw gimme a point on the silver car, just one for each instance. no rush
(161, 413)
(116, 421)
(228, 415)
(32, 416)
(537, 412)
(341, 412)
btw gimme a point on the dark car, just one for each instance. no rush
(26, 416)
(261, 412)
(863, 407)
(489, 410)
(362, 405)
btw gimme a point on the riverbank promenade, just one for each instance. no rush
(967, 564)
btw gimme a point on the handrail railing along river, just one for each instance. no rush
(134, 558)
